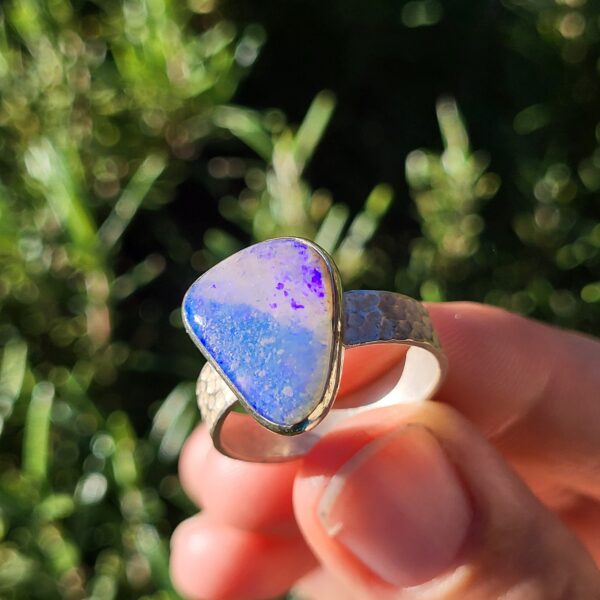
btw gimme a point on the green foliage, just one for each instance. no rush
(278, 201)
(448, 190)
(99, 107)
(548, 266)
(110, 112)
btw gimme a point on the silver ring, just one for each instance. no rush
(274, 325)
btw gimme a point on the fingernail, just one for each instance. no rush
(399, 507)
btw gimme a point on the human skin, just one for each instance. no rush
(490, 491)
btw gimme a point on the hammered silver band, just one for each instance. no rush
(370, 317)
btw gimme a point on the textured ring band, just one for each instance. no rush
(281, 361)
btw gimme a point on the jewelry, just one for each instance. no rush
(273, 324)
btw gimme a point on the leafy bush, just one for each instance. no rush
(126, 169)
(99, 108)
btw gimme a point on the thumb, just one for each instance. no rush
(412, 502)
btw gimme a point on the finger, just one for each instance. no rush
(414, 497)
(365, 364)
(244, 495)
(320, 584)
(191, 462)
(584, 520)
(530, 387)
(215, 482)
(214, 561)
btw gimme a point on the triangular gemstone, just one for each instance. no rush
(265, 316)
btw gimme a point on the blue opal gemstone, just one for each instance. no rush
(265, 317)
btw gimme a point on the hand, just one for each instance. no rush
(492, 491)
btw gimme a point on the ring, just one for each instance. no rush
(273, 324)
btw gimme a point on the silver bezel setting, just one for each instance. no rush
(335, 359)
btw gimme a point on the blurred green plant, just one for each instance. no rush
(99, 105)
(561, 224)
(546, 262)
(277, 200)
(105, 109)
(448, 190)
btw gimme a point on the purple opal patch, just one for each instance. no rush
(265, 316)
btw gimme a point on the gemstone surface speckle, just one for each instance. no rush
(265, 316)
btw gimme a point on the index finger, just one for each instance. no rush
(533, 389)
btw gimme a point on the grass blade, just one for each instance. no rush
(37, 432)
(131, 199)
(313, 127)
(12, 373)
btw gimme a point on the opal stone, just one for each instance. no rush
(265, 316)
